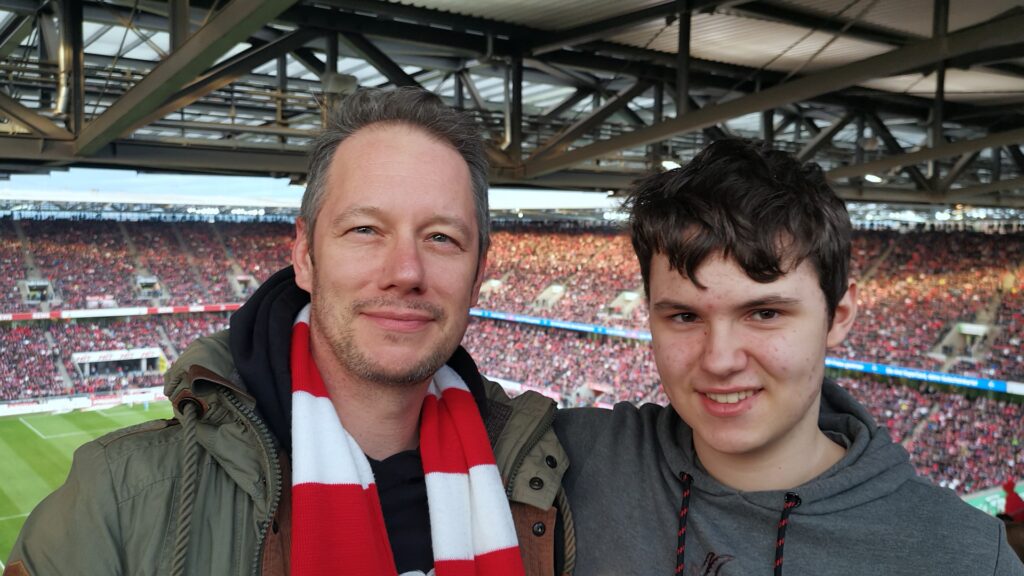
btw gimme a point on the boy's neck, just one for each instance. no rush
(793, 461)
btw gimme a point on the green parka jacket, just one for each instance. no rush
(122, 511)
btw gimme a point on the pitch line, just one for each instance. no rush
(32, 428)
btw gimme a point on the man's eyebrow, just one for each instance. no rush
(456, 223)
(353, 212)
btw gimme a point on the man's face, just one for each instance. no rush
(742, 362)
(395, 264)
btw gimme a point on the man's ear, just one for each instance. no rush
(302, 256)
(842, 320)
(481, 271)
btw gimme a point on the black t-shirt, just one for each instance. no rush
(403, 499)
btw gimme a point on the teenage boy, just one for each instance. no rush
(761, 464)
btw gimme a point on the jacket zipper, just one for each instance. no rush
(267, 442)
(541, 429)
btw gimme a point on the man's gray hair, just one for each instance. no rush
(412, 106)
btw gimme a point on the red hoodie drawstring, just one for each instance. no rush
(684, 510)
(792, 501)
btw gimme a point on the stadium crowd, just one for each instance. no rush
(911, 292)
(965, 442)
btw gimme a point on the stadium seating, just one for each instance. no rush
(913, 291)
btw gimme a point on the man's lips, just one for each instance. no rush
(399, 320)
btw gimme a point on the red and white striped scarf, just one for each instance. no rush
(337, 523)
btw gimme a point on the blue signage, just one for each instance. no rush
(843, 364)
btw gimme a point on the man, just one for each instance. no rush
(339, 427)
(760, 465)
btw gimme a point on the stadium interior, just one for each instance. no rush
(913, 108)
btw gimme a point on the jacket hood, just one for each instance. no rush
(872, 468)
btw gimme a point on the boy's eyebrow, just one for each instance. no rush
(770, 300)
(668, 304)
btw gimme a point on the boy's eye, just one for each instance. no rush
(766, 314)
(685, 317)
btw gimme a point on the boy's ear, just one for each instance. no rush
(845, 314)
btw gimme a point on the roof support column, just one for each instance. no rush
(658, 112)
(768, 126)
(72, 63)
(940, 23)
(514, 109)
(180, 25)
(683, 58)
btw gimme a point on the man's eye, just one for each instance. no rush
(443, 238)
(363, 230)
(766, 314)
(685, 317)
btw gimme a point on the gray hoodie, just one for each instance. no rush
(867, 515)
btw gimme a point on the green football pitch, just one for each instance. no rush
(35, 456)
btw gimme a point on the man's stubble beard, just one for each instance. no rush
(339, 333)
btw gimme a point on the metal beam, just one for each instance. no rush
(232, 24)
(882, 131)
(225, 73)
(378, 59)
(1017, 156)
(975, 191)
(980, 37)
(198, 157)
(601, 29)
(567, 104)
(926, 154)
(584, 125)
(957, 170)
(12, 35)
(824, 137)
(30, 119)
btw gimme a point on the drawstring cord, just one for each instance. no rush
(684, 510)
(792, 501)
(189, 482)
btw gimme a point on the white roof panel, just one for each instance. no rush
(542, 14)
(908, 16)
(755, 43)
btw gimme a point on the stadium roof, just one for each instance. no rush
(924, 98)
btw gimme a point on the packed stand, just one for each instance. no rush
(161, 253)
(209, 258)
(562, 360)
(84, 261)
(12, 268)
(919, 292)
(27, 369)
(182, 329)
(971, 443)
(1005, 358)
(259, 248)
(898, 407)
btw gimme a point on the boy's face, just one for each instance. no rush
(742, 362)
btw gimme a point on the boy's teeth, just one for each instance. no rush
(730, 398)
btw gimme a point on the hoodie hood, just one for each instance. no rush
(260, 344)
(872, 468)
